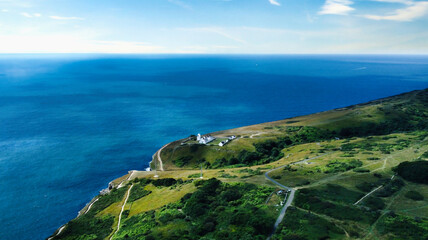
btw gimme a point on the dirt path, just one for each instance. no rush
(384, 211)
(255, 134)
(368, 194)
(121, 211)
(89, 207)
(126, 180)
(291, 192)
(59, 232)
(159, 157)
(328, 218)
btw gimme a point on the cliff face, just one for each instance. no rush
(340, 163)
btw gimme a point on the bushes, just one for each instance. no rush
(335, 166)
(298, 224)
(306, 199)
(180, 162)
(137, 227)
(361, 170)
(414, 196)
(390, 188)
(166, 182)
(215, 208)
(137, 193)
(374, 203)
(413, 171)
(88, 227)
(402, 227)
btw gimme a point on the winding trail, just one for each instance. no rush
(121, 211)
(291, 193)
(58, 233)
(159, 157)
(89, 207)
(368, 194)
(126, 180)
(255, 134)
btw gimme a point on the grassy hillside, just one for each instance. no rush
(359, 173)
(263, 143)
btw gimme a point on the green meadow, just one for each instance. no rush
(359, 173)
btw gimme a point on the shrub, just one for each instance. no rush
(166, 182)
(180, 162)
(413, 171)
(361, 170)
(374, 203)
(390, 188)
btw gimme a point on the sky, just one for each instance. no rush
(214, 26)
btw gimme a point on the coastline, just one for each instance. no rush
(119, 182)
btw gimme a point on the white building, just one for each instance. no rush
(205, 139)
(221, 144)
(232, 137)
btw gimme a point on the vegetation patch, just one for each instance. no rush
(390, 188)
(402, 227)
(413, 171)
(138, 192)
(308, 200)
(182, 161)
(336, 166)
(374, 203)
(215, 211)
(89, 226)
(227, 175)
(298, 224)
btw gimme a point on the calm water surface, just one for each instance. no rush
(69, 124)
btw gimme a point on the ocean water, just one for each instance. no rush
(69, 124)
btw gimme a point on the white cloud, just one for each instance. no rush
(66, 18)
(4, 10)
(336, 7)
(27, 15)
(274, 2)
(30, 15)
(407, 2)
(407, 14)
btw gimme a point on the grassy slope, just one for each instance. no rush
(388, 109)
(315, 177)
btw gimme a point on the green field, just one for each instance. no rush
(359, 172)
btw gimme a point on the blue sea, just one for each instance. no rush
(69, 124)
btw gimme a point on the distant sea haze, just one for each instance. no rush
(69, 124)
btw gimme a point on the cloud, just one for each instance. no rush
(4, 10)
(66, 18)
(274, 2)
(407, 14)
(336, 7)
(29, 15)
(407, 2)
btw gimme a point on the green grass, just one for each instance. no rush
(374, 139)
(299, 224)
